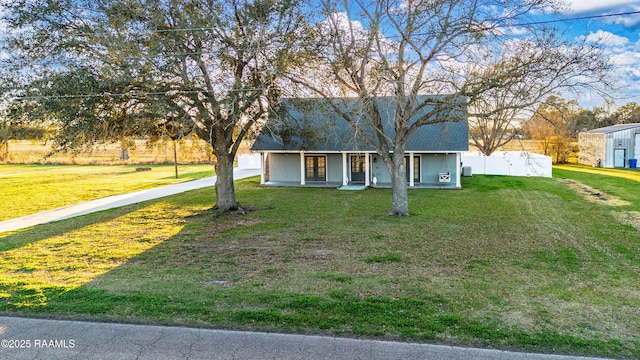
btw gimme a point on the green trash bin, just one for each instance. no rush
(633, 163)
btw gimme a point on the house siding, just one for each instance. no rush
(284, 167)
(334, 168)
(379, 170)
(434, 164)
(431, 166)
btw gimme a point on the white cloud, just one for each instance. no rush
(581, 6)
(518, 30)
(626, 73)
(606, 38)
(618, 37)
(627, 58)
(628, 21)
(604, 7)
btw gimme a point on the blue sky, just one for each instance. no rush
(620, 37)
(617, 35)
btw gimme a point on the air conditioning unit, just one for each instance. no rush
(466, 171)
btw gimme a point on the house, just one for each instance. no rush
(616, 146)
(309, 144)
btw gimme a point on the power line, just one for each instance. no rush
(591, 17)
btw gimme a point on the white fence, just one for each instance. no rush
(511, 163)
(248, 161)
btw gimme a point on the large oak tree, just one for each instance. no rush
(109, 69)
(454, 50)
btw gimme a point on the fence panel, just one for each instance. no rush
(510, 163)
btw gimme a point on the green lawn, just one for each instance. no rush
(27, 189)
(512, 263)
(622, 183)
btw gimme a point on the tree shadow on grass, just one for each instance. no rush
(125, 288)
(42, 263)
(15, 239)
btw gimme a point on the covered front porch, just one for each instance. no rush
(340, 169)
(314, 169)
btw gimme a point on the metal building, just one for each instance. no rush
(616, 146)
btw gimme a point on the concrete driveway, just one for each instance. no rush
(114, 201)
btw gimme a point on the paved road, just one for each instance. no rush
(114, 201)
(54, 339)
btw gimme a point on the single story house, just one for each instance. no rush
(309, 144)
(616, 146)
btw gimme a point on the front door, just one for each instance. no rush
(619, 158)
(357, 168)
(315, 168)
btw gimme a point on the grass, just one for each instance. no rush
(512, 263)
(45, 187)
(622, 183)
(617, 186)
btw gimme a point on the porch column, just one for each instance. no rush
(411, 170)
(367, 172)
(262, 167)
(302, 172)
(459, 169)
(345, 179)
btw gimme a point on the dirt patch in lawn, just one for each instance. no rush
(628, 217)
(594, 195)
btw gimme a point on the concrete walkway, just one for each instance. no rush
(114, 201)
(54, 339)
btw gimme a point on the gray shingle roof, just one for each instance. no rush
(310, 124)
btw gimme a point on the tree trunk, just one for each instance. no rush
(225, 189)
(4, 150)
(175, 157)
(399, 199)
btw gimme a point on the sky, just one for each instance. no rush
(618, 35)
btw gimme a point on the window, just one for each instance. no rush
(315, 168)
